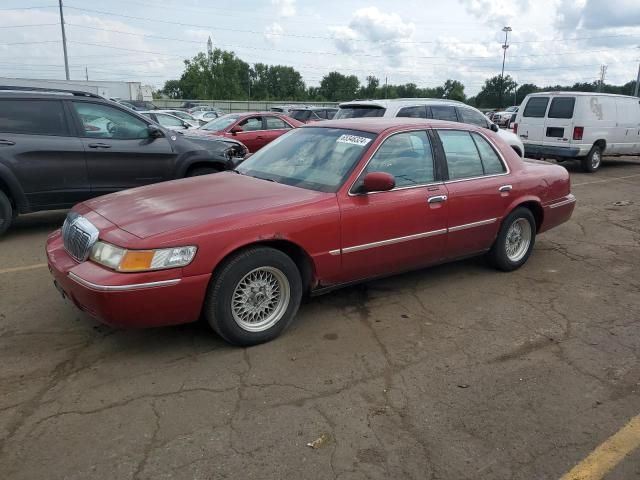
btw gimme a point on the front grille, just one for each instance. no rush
(79, 235)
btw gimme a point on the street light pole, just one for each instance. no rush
(637, 82)
(506, 31)
(64, 41)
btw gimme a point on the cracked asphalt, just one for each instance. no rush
(456, 372)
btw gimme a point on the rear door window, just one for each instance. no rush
(34, 117)
(562, 107)
(419, 111)
(444, 112)
(490, 161)
(536, 107)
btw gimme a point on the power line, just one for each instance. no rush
(29, 25)
(28, 8)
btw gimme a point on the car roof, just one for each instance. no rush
(400, 102)
(581, 94)
(378, 125)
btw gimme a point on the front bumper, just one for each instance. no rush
(147, 299)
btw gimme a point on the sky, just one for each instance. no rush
(425, 42)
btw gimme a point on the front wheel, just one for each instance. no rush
(592, 161)
(515, 241)
(7, 213)
(253, 296)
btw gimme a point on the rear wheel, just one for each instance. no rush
(515, 241)
(253, 296)
(592, 161)
(6, 212)
(196, 172)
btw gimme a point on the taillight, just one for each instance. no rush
(515, 128)
(577, 133)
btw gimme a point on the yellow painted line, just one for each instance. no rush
(610, 179)
(22, 269)
(609, 454)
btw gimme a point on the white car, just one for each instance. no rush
(503, 117)
(190, 119)
(437, 108)
(206, 116)
(168, 121)
(579, 125)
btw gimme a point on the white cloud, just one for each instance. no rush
(273, 33)
(378, 26)
(286, 8)
(344, 38)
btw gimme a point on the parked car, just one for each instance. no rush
(206, 116)
(127, 104)
(141, 105)
(503, 117)
(168, 121)
(439, 109)
(201, 108)
(512, 120)
(579, 125)
(190, 119)
(60, 147)
(285, 108)
(189, 104)
(312, 114)
(326, 205)
(253, 129)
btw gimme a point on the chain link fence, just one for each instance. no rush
(234, 106)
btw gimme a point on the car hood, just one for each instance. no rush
(227, 199)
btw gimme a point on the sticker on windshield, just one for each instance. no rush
(353, 140)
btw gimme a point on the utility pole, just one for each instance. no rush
(385, 87)
(86, 72)
(603, 73)
(64, 41)
(637, 83)
(506, 31)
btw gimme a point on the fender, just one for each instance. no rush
(15, 190)
(186, 160)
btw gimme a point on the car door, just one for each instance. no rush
(628, 125)
(400, 229)
(274, 127)
(252, 134)
(531, 126)
(119, 150)
(479, 190)
(37, 143)
(558, 125)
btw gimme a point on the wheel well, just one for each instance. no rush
(7, 191)
(299, 256)
(517, 150)
(212, 165)
(601, 143)
(536, 209)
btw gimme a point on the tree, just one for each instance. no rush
(489, 96)
(370, 91)
(454, 90)
(524, 90)
(336, 86)
(172, 89)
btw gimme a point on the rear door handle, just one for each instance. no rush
(99, 145)
(7, 142)
(505, 188)
(437, 199)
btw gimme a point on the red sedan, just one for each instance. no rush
(255, 129)
(329, 204)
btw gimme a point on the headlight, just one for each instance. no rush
(124, 260)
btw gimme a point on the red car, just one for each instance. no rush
(255, 129)
(330, 204)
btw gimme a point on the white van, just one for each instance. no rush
(579, 125)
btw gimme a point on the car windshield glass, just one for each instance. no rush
(312, 158)
(359, 111)
(220, 123)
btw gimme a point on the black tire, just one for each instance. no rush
(593, 160)
(218, 309)
(6, 213)
(196, 172)
(498, 256)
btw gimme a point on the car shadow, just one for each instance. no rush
(32, 223)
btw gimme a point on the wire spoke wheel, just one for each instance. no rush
(260, 299)
(518, 239)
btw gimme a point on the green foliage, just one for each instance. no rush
(336, 86)
(489, 95)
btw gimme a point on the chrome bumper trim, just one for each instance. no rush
(569, 199)
(121, 288)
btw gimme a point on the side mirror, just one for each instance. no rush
(155, 131)
(494, 127)
(378, 182)
(235, 130)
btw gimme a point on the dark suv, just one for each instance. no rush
(58, 148)
(312, 114)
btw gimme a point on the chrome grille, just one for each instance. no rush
(79, 235)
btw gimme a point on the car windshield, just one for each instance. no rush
(358, 111)
(312, 158)
(220, 123)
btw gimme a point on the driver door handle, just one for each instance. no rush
(99, 145)
(437, 199)
(505, 188)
